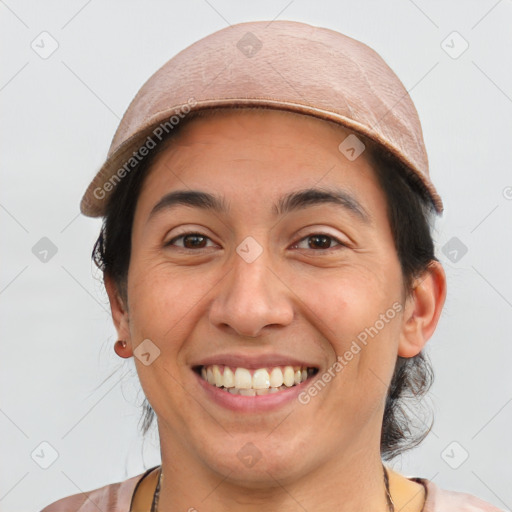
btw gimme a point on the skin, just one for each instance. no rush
(296, 298)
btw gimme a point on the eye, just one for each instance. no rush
(194, 240)
(191, 240)
(321, 241)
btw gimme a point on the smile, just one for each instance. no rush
(254, 382)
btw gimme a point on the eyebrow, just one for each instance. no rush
(293, 201)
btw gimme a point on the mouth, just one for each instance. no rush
(254, 381)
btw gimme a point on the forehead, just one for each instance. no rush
(269, 127)
(252, 154)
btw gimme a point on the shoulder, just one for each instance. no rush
(113, 497)
(442, 500)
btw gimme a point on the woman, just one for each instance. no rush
(267, 254)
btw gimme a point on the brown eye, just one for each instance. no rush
(320, 241)
(190, 241)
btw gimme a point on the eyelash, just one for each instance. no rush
(341, 244)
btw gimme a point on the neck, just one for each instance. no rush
(347, 482)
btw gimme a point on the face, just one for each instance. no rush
(311, 283)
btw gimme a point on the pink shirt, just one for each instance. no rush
(117, 498)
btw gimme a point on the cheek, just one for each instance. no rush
(351, 300)
(165, 301)
(163, 309)
(359, 313)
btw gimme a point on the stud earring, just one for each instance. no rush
(119, 347)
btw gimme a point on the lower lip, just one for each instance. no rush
(256, 403)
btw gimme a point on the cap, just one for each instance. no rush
(283, 65)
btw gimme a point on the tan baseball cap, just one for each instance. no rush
(283, 65)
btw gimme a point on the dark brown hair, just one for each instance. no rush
(410, 213)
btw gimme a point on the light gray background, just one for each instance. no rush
(58, 117)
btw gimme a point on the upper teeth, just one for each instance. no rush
(262, 378)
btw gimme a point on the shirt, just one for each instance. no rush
(118, 498)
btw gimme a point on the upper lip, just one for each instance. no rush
(252, 361)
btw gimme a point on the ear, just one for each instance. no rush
(120, 314)
(423, 309)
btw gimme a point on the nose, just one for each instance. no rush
(251, 298)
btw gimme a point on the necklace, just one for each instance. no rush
(156, 495)
(391, 504)
(389, 499)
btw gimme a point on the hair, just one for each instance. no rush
(410, 214)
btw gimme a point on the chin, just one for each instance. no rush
(256, 461)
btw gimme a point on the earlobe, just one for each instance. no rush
(119, 312)
(423, 309)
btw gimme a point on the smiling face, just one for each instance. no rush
(248, 268)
